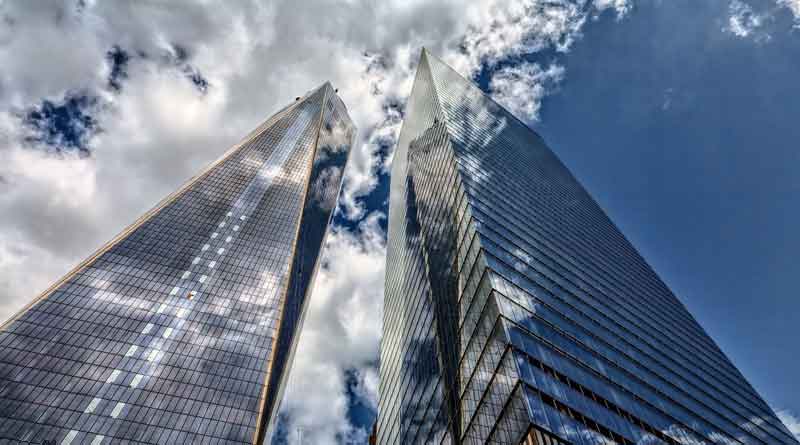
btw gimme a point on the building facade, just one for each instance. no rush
(182, 329)
(517, 313)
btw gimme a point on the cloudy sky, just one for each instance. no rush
(680, 117)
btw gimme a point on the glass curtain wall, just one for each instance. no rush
(181, 329)
(515, 310)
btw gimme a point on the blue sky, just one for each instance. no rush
(679, 117)
(689, 140)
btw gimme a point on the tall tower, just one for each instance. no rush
(517, 313)
(182, 328)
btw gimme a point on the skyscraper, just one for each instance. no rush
(182, 329)
(517, 313)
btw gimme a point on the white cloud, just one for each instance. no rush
(794, 7)
(499, 29)
(743, 21)
(520, 88)
(159, 129)
(622, 7)
(341, 332)
(496, 30)
(791, 421)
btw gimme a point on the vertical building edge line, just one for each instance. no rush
(259, 433)
(304, 307)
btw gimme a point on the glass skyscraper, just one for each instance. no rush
(182, 329)
(517, 313)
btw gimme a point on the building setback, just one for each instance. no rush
(182, 329)
(517, 313)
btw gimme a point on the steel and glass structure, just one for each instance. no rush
(182, 329)
(517, 313)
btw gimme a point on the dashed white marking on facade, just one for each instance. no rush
(136, 380)
(69, 437)
(92, 405)
(264, 179)
(117, 409)
(113, 377)
(153, 355)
